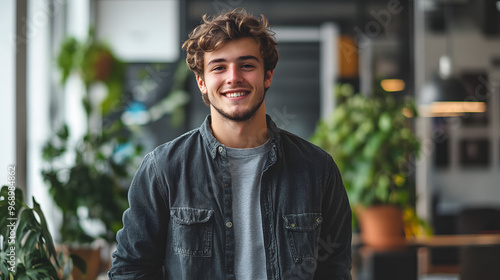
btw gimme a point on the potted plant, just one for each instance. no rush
(372, 142)
(86, 180)
(91, 182)
(89, 179)
(27, 249)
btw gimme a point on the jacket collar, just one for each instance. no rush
(213, 145)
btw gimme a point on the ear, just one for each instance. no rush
(201, 84)
(268, 78)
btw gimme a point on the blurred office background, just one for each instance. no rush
(321, 43)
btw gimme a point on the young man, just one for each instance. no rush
(237, 198)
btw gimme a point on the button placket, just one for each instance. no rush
(225, 180)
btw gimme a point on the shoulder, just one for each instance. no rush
(178, 147)
(305, 156)
(182, 140)
(294, 143)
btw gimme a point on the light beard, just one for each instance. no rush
(240, 117)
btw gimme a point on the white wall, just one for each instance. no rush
(39, 67)
(140, 30)
(7, 92)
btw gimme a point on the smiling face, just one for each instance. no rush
(235, 80)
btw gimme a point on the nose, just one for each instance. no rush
(234, 75)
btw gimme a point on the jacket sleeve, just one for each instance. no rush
(334, 256)
(141, 242)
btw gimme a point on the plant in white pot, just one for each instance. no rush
(372, 142)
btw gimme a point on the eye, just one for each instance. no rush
(218, 68)
(247, 66)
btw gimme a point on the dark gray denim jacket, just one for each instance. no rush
(179, 225)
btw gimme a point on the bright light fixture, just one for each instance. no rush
(451, 109)
(392, 85)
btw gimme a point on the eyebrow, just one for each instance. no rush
(241, 58)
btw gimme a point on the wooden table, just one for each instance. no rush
(423, 244)
(454, 240)
(458, 240)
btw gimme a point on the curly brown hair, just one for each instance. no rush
(216, 30)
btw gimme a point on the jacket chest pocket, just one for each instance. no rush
(302, 231)
(192, 231)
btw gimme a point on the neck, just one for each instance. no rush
(247, 134)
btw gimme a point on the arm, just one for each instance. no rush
(334, 256)
(141, 242)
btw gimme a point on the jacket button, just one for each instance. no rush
(221, 149)
(292, 225)
(229, 224)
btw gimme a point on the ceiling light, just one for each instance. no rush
(446, 96)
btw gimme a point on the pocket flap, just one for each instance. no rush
(302, 222)
(188, 216)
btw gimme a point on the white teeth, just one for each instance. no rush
(235, 94)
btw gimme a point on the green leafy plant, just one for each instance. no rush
(27, 249)
(86, 180)
(94, 61)
(92, 180)
(372, 142)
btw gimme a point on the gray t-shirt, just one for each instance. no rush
(246, 172)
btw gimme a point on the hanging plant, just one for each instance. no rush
(95, 62)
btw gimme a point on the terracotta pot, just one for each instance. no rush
(92, 257)
(382, 227)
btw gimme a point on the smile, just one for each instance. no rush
(236, 94)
